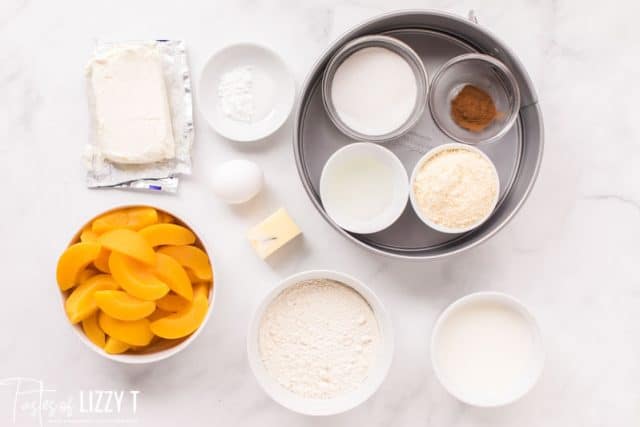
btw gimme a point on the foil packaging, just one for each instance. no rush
(160, 176)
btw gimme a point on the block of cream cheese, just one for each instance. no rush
(133, 119)
(273, 233)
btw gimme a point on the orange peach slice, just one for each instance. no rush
(113, 346)
(73, 261)
(174, 275)
(132, 219)
(185, 321)
(191, 257)
(172, 303)
(164, 217)
(80, 303)
(136, 333)
(86, 274)
(102, 261)
(129, 243)
(92, 330)
(167, 234)
(122, 306)
(88, 235)
(136, 278)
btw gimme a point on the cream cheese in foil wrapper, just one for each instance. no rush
(159, 176)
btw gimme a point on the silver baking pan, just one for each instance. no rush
(436, 37)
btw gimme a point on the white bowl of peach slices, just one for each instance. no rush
(136, 283)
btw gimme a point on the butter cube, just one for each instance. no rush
(273, 233)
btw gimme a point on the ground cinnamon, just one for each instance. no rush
(473, 109)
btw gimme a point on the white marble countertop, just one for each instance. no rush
(571, 254)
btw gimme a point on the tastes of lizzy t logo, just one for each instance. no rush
(29, 402)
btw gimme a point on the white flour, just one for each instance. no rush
(319, 339)
(235, 91)
(455, 188)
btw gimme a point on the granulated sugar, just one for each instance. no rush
(456, 188)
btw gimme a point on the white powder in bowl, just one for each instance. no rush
(456, 188)
(319, 339)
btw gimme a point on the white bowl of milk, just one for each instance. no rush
(364, 187)
(486, 349)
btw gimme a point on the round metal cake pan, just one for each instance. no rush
(436, 37)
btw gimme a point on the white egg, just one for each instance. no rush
(237, 181)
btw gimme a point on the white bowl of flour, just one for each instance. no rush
(320, 343)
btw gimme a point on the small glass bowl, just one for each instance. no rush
(396, 46)
(486, 73)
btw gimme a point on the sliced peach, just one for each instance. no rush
(85, 274)
(135, 333)
(92, 330)
(191, 257)
(88, 235)
(122, 306)
(167, 234)
(136, 278)
(185, 321)
(158, 314)
(172, 303)
(129, 243)
(114, 346)
(73, 261)
(164, 218)
(80, 304)
(174, 275)
(102, 261)
(132, 219)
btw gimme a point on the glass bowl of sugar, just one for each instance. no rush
(375, 88)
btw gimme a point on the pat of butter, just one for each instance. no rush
(273, 233)
(133, 119)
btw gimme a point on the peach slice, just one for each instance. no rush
(129, 243)
(136, 278)
(73, 261)
(102, 261)
(135, 333)
(122, 306)
(172, 303)
(92, 330)
(113, 346)
(158, 314)
(185, 321)
(191, 257)
(167, 234)
(80, 304)
(174, 275)
(88, 235)
(85, 274)
(164, 217)
(132, 219)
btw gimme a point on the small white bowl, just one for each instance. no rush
(522, 385)
(275, 84)
(397, 204)
(142, 358)
(340, 403)
(414, 202)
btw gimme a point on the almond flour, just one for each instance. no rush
(456, 188)
(319, 339)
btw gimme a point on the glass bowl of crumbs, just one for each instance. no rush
(474, 98)
(320, 343)
(454, 188)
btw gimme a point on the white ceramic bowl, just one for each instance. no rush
(340, 403)
(414, 202)
(400, 187)
(142, 358)
(521, 385)
(274, 85)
